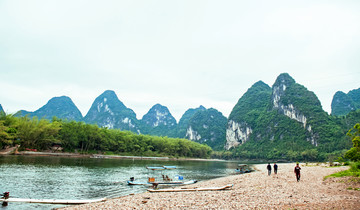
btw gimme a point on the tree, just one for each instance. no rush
(354, 153)
(7, 129)
(4, 136)
(34, 133)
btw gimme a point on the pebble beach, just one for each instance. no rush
(254, 190)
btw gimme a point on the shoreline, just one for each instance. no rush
(254, 190)
(77, 155)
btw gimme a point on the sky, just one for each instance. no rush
(181, 54)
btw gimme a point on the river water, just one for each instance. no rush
(90, 178)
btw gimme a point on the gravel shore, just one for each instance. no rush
(254, 190)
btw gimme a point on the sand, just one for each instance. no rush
(254, 190)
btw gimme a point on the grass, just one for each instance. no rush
(350, 188)
(353, 171)
(353, 176)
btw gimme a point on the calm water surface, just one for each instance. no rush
(88, 178)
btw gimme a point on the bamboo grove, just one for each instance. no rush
(42, 134)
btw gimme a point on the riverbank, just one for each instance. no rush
(11, 151)
(254, 190)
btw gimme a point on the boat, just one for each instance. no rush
(138, 183)
(243, 168)
(130, 182)
(154, 168)
(226, 187)
(165, 179)
(51, 201)
(175, 182)
(169, 167)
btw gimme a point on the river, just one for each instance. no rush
(40, 177)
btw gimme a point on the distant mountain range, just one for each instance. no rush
(108, 111)
(284, 116)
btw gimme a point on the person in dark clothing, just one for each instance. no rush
(269, 169)
(275, 168)
(297, 171)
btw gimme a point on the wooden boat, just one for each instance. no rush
(165, 180)
(162, 183)
(229, 186)
(169, 167)
(160, 167)
(243, 168)
(175, 182)
(155, 168)
(51, 201)
(138, 183)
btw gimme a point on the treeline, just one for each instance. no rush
(72, 136)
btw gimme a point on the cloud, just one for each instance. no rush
(181, 54)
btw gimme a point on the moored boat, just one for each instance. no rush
(138, 183)
(50, 201)
(169, 167)
(160, 167)
(162, 182)
(243, 168)
(226, 187)
(165, 181)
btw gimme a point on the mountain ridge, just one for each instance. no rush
(263, 114)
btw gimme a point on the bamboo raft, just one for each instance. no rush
(229, 186)
(51, 201)
(155, 168)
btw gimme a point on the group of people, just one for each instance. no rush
(269, 168)
(296, 170)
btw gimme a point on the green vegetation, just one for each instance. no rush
(354, 155)
(343, 103)
(277, 137)
(210, 124)
(85, 138)
(353, 171)
(185, 119)
(312, 136)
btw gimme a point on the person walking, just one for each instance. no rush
(275, 168)
(269, 169)
(297, 171)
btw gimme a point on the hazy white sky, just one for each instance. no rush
(180, 54)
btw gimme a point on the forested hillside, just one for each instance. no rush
(158, 121)
(108, 111)
(285, 122)
(343, 103)
(207, 127)
(62, 107)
